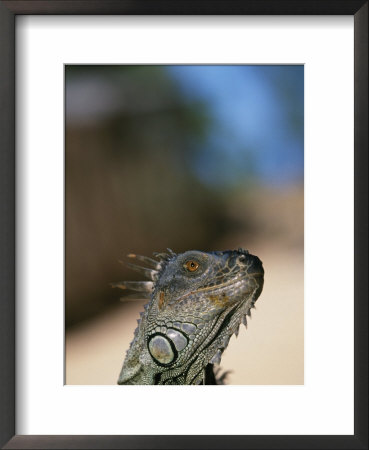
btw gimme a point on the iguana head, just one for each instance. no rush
(197, 301)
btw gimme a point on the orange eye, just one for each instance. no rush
(192, 266)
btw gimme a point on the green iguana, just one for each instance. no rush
(197, 301)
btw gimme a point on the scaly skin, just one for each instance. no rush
(197, 301)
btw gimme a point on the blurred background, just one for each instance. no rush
(185, 157)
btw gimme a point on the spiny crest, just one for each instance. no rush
(142, 286)
(165, 257)
(151, 271)
(216, 358)
(148, 273)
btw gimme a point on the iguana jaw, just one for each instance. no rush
(229, 324)
(221, 327)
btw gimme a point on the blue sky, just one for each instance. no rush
(258, 116)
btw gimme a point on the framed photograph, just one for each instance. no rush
(192, 127)
(220, 153)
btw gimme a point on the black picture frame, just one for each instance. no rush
(8, 11)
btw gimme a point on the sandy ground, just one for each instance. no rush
(270, 351)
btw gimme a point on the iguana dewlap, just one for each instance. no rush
(197, 300)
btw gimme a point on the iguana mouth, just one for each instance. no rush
(211, 289)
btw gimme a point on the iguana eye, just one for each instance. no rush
(192, 266)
